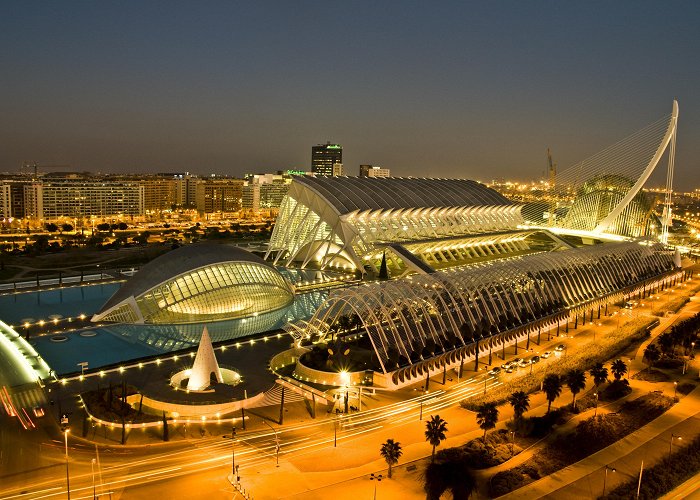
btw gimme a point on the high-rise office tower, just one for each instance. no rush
(323, 156)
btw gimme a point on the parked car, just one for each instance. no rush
(560, 347)
(535, 359)
(516, 361)
(510, 369)
(523, 363)
(494, 371)
(546, 354)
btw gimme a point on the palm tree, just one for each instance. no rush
(391, 452)
(520, 401)
(551, 385)
(652, 354)
(435, 430)
(618, 368)
(576, 381)
(486, 417)
(599, 374)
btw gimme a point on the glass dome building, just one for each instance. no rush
(197, 283)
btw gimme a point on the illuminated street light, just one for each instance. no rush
(65, 429)
(378, 477)
(605, 479)
(92, 468)
(670, 446)
(277, 442)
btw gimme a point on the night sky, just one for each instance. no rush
(450, 89)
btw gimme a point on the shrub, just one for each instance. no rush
(669, 363)
(685, 388)
(651, 375)
(511, 479)
(615, 390)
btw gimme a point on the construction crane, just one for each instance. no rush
(552, 182)
(27, 167)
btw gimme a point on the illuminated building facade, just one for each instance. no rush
(219, 195)
(324, 156)
(372, 171)
(76, 196)
(198, 283)
(421, 323)
(346, 221)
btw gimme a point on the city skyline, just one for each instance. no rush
(470, 91)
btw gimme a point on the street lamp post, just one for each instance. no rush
(512, 441)
(670, 446)
(378, 477)
(277, 442)
(92, 468)
(233, 451)
(605, 479)
(596, 404)
(65, 436)
(675, 389)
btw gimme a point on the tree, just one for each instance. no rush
(391, 452)
(618, 369)
(435, 430)
(486, 417)
(667, 343)
(652, 354)
(576, 382)
(448, 474)
(551, 385)
(520, 401)
(51, 227)
(103, 227)
(599, 374)
(66, 227)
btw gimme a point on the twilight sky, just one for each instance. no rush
(450, 89)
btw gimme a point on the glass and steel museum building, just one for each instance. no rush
(347, 221)
(198, 283)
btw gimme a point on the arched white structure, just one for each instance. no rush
(602, 195)
(668, 137)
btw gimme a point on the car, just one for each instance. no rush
(535, 359)
(494, 371)
(506, 365)
(510, 369)
(523, 363)
(546, 354)
(516, 361)
(560, 347)
(38, 411)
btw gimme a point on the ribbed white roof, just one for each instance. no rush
(348, 194)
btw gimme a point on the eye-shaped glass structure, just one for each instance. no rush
(198, 283)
